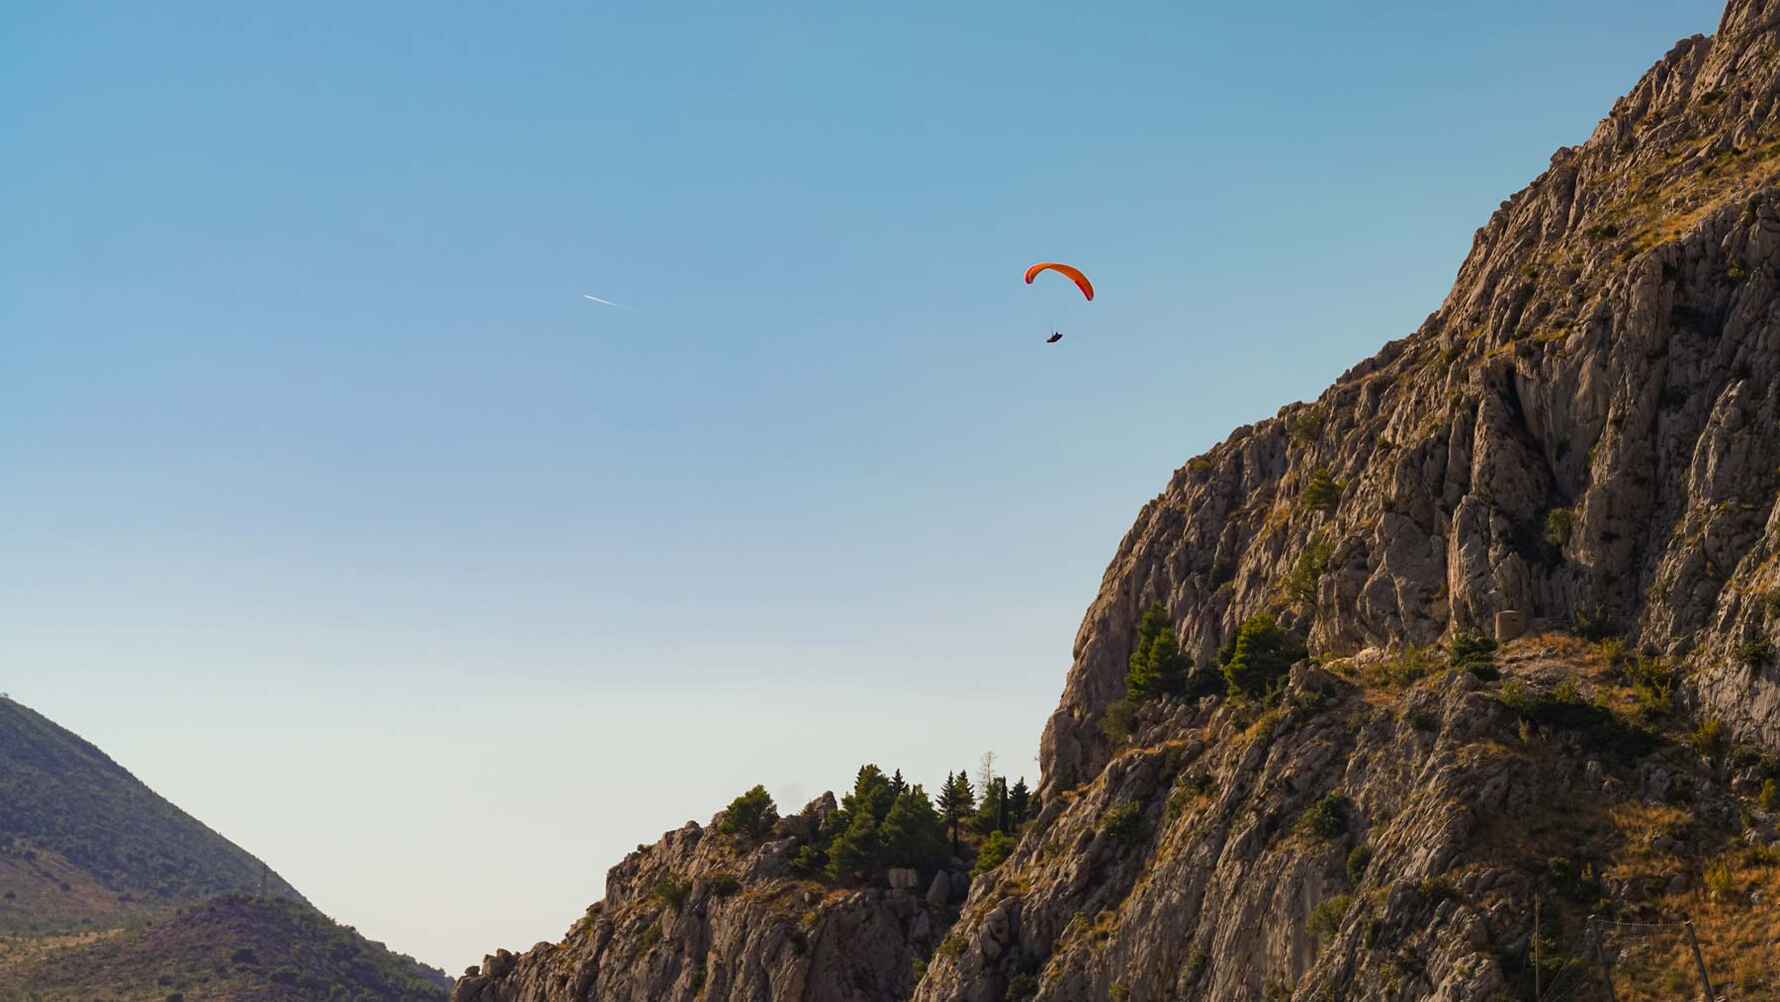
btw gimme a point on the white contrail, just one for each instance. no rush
(604, 302)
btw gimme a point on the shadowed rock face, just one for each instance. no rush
(1609, 352)
(1586, 434)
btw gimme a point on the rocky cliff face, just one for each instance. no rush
(1586, 433)
(1607, 354)
(1364, 839)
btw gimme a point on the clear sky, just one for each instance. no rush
(336, 513)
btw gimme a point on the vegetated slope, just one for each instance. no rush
(107, 891)
(228, 949)
(836, 902)
(84, 844)
(1319, 780)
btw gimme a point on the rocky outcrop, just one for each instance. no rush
(1585, 431)
(1353, 842)
(703, 915)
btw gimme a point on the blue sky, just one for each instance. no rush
(337, 514)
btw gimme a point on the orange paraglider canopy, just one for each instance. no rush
(1068, 271)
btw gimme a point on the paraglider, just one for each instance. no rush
(1070, 272)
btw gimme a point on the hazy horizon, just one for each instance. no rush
(344, 521)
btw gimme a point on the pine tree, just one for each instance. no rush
(1019, 803)
(752, 814)
(956, 801)
(858, 845)
(991, 813)
(897, 785)
(871, 795)
(1157, 667)
(912, 834)
(1262, 655)
(857, 850)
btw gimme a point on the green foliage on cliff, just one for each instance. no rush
(752, 814)
(879, 827)
(1157, 667)
(1260, 657)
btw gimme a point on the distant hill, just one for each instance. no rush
(84, 844)
(107, 891)
(229, 948)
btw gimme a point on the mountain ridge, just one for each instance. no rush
(74, 811)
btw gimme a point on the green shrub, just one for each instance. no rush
(994, 851)
(1262, 655)
(751, 814)
(1325, 919)
(1471, 651)
(1572, 882)
(1560, 523)
(1653, 681)
(670, 892)
(1404, 668)
(1156, 667)
(724, 884)
(1755, 653)
(1307, 425)
(1326, 819)
(1124, 821)
(1566, 709)
(1771, 602)
(1591, 622)
(1322, 492)
(809, 860)
(1116, 722)
(1186, 791)
(1307, 570)
(1709, 738)
(1770, 795)
(1357, 860)
(1021, 987)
